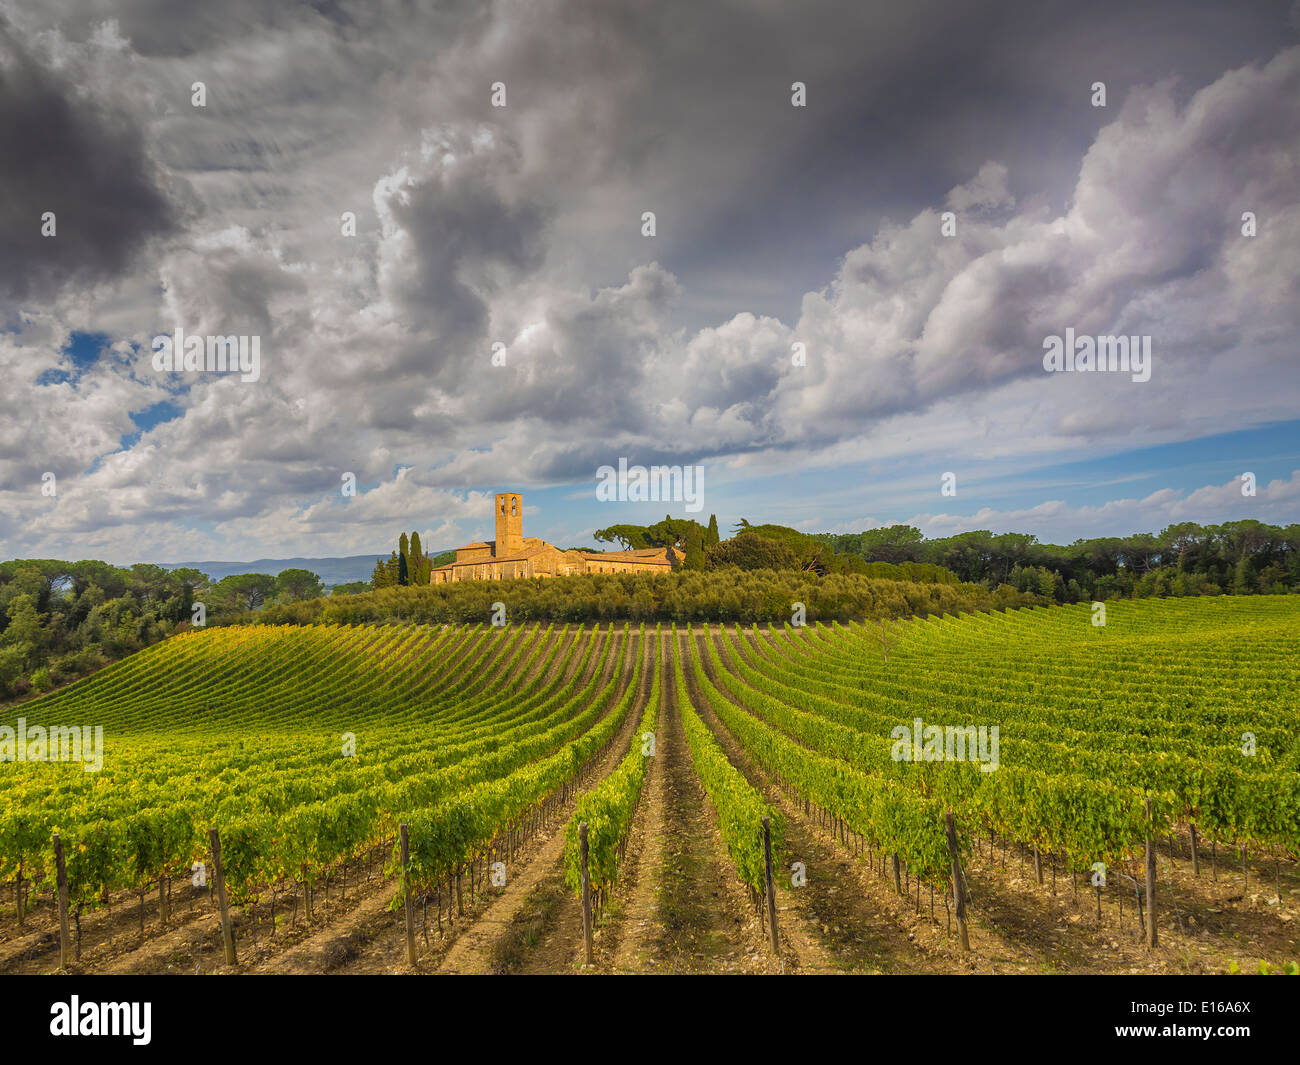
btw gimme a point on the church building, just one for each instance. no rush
(512, 554)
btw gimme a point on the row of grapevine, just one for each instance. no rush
(290, 810)
(896, 818)
(740, 807)
(607, 808)
(445, 837)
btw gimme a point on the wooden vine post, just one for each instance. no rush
(950, 828)
(586, 894)
(767, 873)
(1151, 883)
(219, 879)
(406, 895)
(61, 873)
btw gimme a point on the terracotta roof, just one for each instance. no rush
(527, 552)
(644, 554)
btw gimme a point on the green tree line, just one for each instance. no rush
(1236, 558)
(61, 620)
(730, 594)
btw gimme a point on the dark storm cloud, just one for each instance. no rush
(230, 289)
(178, 29)
(168, 28)
(70, 154)
(904, 102)
(466, 241)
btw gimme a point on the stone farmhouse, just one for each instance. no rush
(512, 554)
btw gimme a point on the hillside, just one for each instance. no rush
(308, 746)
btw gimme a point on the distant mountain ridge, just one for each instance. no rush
(332, 571)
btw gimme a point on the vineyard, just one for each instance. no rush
(1030, 790)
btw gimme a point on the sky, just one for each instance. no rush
(868, 218)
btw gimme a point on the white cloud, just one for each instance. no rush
(476, 226)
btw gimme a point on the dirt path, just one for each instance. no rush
(104, 935)
(537, 910)
(34, 946)
(849, 903)
(544, 934)
(192, 940)
(374, 941)
(622, 940)
(340, 940)
(678, 907)
(823, 928)
(358, 933)
(702, 918)
(1019, 926)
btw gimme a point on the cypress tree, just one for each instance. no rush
(711, 537)
(694, 547)
(417, 561)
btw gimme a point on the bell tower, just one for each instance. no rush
(510, 524)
